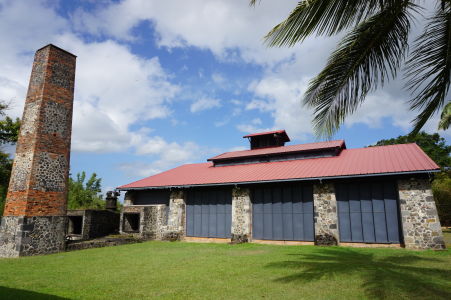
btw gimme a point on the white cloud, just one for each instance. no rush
(204, 103)
(230, 29)
(251, 128)
(114, 88)
(217, 78)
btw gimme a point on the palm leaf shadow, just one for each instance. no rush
(382, 277)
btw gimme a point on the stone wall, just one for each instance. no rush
(420, 223)
(241, 215)
(175, 229)
(25, 236)
(152, 221)
(326, 217)
(96, 222)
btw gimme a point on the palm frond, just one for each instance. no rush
(365, 58)
(429, 67)
(323, 17)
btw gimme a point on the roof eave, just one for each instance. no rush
(280, 180)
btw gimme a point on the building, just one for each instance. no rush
(317, 193)
(34, 220)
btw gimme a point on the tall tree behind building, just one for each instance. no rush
(85, 195)
(9, 130)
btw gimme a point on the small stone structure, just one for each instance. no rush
(35, 210)
(88, 224)
(326, 218)
(241, 215)
(144, 221)
(420, 223)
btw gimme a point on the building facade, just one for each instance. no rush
(318, 193)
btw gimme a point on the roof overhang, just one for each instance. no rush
(281, 180)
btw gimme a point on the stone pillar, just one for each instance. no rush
(175, 229)
(241, 215)
(420, 223)
(35, 209)
(326, 217)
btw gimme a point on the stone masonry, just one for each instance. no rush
(152, 221)
(37, 196)
(420, 223)
(241, 215)
(175, 229)
(96, 222)
(326, 218)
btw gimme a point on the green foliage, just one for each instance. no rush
(433, 144)
(445, 118)
(371, 53)
(85, 195)
(441, 186)
(366, 57)
(9, 131)
(6, 164)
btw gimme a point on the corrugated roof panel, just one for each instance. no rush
(363, 161)
(280, 149)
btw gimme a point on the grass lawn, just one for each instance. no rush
(221, 271)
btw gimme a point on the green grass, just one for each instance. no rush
(220, 271)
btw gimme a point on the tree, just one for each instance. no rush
(370, 54)
(433, 144)
(445, 118)
(9, 131)
(85, 195)
(6, 164)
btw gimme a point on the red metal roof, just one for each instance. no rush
(351, 162)
(280, 149)
(266, 133)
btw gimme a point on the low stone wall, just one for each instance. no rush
(326, 217)
(241, 215)
(25, 236)
(152, 221)
(98, 223)
(420, 222)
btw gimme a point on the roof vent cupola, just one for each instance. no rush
(268, 139)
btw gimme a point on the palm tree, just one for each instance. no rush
(370, 54)
(445, 119)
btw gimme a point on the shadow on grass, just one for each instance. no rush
(15, 294)
(383, 277)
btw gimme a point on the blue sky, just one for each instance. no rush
(162, 83)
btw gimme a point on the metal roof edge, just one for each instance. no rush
(213, 159)
(279, 180)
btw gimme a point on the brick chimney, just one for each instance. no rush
(34, 219)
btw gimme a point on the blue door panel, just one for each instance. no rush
(368, 227)
(209, 213)
(368, 212)
(283, 212)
